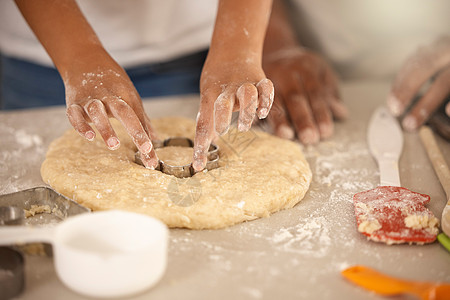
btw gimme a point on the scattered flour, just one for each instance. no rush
(252, 292)
(282, 235)
(18, 145)
(315, 232)
(320, 231)
(26, 140)
(309, 237)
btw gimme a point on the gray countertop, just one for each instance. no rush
(294, 254)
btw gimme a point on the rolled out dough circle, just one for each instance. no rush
(259, 174)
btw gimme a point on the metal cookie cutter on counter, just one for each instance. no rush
(185, 170)
(37, 206)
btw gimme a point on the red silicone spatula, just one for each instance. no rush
(390, 213)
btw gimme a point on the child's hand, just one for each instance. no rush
(96, 89)
(232, 77)
(225, 87)
(96, 86)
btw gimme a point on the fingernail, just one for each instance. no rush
(285, 132)
(113, 143)
(152, 164)
(146, 147)
(197, 165)
(341, 111)
(263, 113)
(243, 127)
(90, 135)
(409, 123)
(223, 131)
(326, 130)
(309, 136)
(394, 105)
(199, 161)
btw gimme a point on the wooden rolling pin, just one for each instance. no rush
(441, 169)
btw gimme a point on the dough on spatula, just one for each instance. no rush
(395, 215)
(259, 174)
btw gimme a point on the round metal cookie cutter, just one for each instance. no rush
(186, 170)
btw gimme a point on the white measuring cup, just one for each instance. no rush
(102, 254)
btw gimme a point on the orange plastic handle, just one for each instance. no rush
(388, 286)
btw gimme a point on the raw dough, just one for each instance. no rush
(175, 156)
(259, 174)
(422, 221)
(37, 209)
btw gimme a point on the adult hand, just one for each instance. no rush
(307, 96)
(98, 88)
(431, 62)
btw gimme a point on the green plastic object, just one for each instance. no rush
(444, 240)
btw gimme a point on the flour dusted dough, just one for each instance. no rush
(259, 174)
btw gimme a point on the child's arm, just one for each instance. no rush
(232, 77)
(96, 86)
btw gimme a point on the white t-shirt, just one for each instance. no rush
(361, 38)
(132, 31)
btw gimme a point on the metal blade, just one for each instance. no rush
(385, 139)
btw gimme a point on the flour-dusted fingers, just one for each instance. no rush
(266, 93)
(302, 118)
(149, 128)
(135, 102)
(433, 98)
(205, 131)
(149, 160)
(139, 130)
(317, 92)
(247, 95)
(332, 96)
(223, 111)
(322, 115)
(314, 89)
(292, 89)
(98, 115)
(77, 118)
(126, 115)
(338, 108)
(279, 120)
(417, 69)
